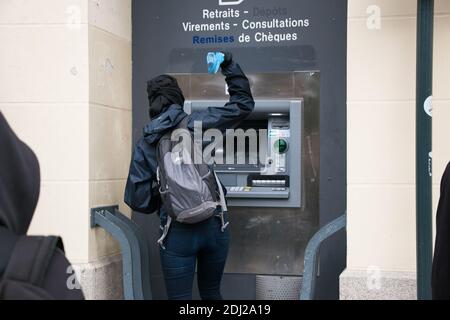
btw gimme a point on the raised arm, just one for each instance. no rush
(241, 102)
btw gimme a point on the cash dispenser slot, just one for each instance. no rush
(259, 186)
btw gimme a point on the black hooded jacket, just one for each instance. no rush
(141, 192)
(19, 189)
(441, 262)
(19, 194)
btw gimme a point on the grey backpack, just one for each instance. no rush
(190, 192)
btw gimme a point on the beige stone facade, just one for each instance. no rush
(65, 87)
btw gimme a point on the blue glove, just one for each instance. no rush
(214, 60)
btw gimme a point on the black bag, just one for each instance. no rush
(24, 276)
(190, 192)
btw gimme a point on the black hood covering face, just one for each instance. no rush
(19, 181)
(163, 91)
(441, 262)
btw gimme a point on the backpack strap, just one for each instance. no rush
(223, 203)
(31, 258)
(183, 124)
(165, 232)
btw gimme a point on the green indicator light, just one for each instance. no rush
(281, 146)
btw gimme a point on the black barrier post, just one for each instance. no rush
(425, 17)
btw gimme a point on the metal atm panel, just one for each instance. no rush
(268, 183)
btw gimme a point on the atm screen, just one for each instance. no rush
(247, 158)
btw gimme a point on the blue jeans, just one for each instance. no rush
(186, 246)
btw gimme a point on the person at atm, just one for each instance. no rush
(202, 243)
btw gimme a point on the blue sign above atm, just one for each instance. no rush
(245, 25)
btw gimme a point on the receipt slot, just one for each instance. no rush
(270, 174)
